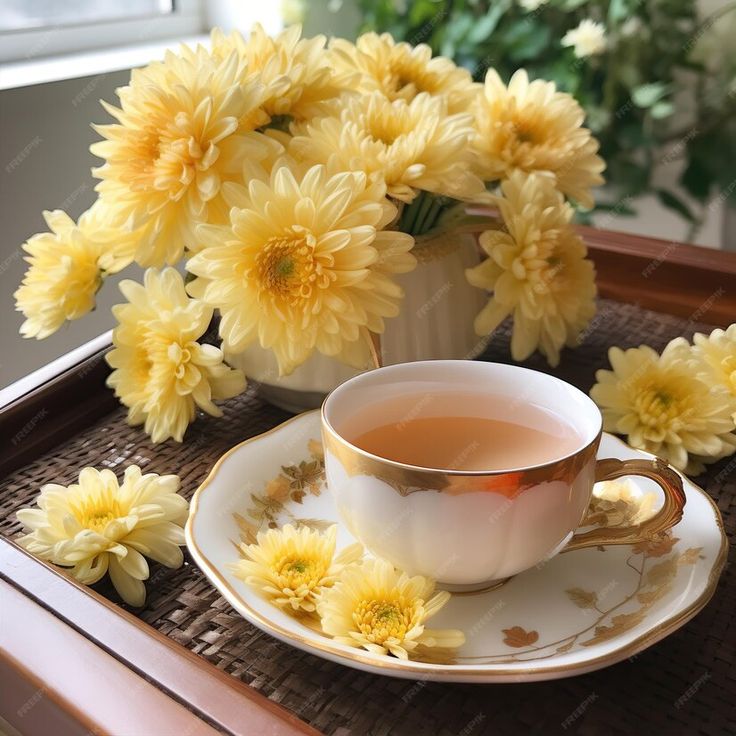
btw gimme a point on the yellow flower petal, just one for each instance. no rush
(162, 374)
(669, 405)
(401, 71)
(66, 269)
(382, 610)
(372, 134)
(292, 567)
(297, 288)
(183, 128)
(538, 270)
(531, 127)
(96, 525)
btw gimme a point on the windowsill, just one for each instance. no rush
(87, 63)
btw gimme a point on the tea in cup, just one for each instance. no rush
(470, 472)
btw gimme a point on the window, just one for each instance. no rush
(16, 15)
(38, 29)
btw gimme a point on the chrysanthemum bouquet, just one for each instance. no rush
(294, 179)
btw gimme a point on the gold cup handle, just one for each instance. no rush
(669, 515)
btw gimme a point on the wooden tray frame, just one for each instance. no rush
(69, 394)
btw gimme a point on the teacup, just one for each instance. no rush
(469, 529)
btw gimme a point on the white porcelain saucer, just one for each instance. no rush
(575, 613)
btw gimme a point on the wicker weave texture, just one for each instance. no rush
(684, 685)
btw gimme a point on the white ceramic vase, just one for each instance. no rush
(435, 322)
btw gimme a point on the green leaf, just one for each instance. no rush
(673, 202)
(422, 11)
(633, 178)
(662, 109)
(617, 11)
(647, 94)
(487, 24)
(459, 27)
(618, 208)
(696, 179)
(526, 41)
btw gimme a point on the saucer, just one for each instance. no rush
(577, 612)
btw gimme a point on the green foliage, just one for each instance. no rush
(663, 90)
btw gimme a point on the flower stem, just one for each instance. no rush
(409, 214)
(424, 207)
(432, 215)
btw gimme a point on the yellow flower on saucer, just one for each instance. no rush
(162, 374)
(305, 266)
(185, 126)
(530, 126)
(98, 526)
(296, 73)
(402, 71)
(292, 567)
(410, 145)
(666, 405)
(537, 270)
(67, 266)
(718, 353)
(375, 607)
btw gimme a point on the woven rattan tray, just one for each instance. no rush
(684, 685)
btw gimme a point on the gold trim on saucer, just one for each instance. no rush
(338, 652)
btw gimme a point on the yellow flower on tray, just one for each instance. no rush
(530, 126)
(402, 71)
(375, 607)
(410, 145)
(305, 266)
(185, 126)
(97, 526)
(162, 374)
(537, 270)
(292, 567)
(666, 405)
(718, 352)
(67, 266)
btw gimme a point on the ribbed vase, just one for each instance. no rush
(435, 322)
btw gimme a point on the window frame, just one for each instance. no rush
(186, 19)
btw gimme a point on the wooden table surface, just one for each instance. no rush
(72, 662)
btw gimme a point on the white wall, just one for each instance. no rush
(45, 163)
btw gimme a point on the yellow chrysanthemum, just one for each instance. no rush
(96, 526)
(162, 374)
(67, 266)
(304, 266)
(411, 145)
(375, 607)
(185, 126)
(402, 71)
(718, 353)
(530, 126)
(296, 72)
(293, 567)
(666, 405)
(537, 270)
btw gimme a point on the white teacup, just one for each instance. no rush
(468, 529)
